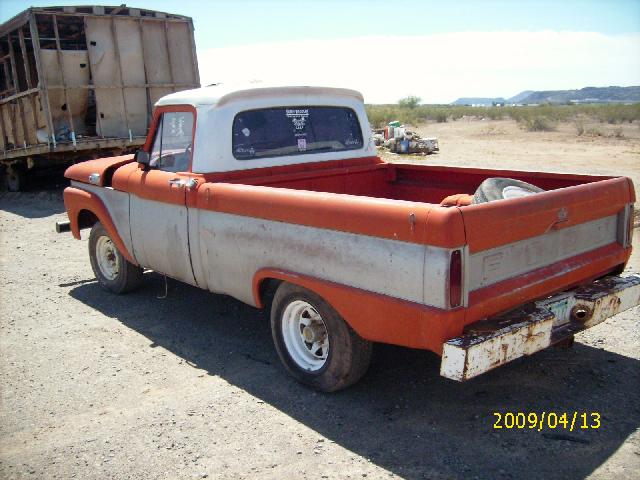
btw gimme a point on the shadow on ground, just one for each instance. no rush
(33, 204)
(402, 416)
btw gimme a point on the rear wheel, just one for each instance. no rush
(314, 343)
(113, 272)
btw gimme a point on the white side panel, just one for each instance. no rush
(117, 204)
(233, 248)
(436, 272)
(507, 261)
(160, 238)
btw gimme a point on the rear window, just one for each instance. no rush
(275, 132)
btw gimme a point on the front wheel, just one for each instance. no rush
(113, 272)
(314, 343)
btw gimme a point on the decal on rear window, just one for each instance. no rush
(281, 131)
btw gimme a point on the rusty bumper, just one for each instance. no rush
(535, 326)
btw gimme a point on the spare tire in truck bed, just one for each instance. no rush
(498, 188)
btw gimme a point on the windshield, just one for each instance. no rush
(282, 131)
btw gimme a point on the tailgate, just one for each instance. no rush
(526, 248)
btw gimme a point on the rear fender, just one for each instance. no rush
(76, 201)
(375, 317)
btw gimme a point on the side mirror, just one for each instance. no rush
(142, 158)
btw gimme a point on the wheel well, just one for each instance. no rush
(86, 219)
(267, 290)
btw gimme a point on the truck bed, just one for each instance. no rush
(371, 177)
(514, 251)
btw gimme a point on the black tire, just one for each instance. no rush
(348, 354)
(493, 189)
(125, 277)
(14, 178)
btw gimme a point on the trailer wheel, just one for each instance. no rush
(497, 188)
(314, 343)
(113, 272)
(14, 178)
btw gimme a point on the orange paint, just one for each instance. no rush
(404, 221)
(376, 317)
(76, 200)
(103, 166)
(493, 224)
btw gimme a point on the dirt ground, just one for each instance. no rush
(94, 385)
(501, 143)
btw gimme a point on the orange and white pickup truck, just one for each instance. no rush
(275, 196)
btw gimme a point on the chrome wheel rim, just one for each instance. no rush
(305, 335)
(108, 258)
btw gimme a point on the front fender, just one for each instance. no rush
(77, 200)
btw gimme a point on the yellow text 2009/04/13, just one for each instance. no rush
(550, 420)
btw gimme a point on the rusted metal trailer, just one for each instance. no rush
(80, 82)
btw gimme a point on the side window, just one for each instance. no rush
(172, 144)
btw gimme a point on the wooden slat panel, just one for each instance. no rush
(182, 68)
(129, 41)
(156, 59)
(105, 71)
(75, 76)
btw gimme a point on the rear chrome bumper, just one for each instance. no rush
(535, 326)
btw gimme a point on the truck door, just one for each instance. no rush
(159, 220)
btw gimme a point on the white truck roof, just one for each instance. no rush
(218, 106)
(221, 94)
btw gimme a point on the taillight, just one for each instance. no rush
(455, 279)
(625, 226)
(630, 226)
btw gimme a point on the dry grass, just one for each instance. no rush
(539, 118)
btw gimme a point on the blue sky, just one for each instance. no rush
(457, 48)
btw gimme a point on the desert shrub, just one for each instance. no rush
(618, 132)
(579, 124)
(594, 132)
(409, 102)
(441, 117)
(538, 123)
(494, 113)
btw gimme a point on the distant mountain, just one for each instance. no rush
(478, 101)
(585, 95)
(519, 97)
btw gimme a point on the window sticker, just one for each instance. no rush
(176, 126)
(302, 144)
(298, 117)
(250, 151)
